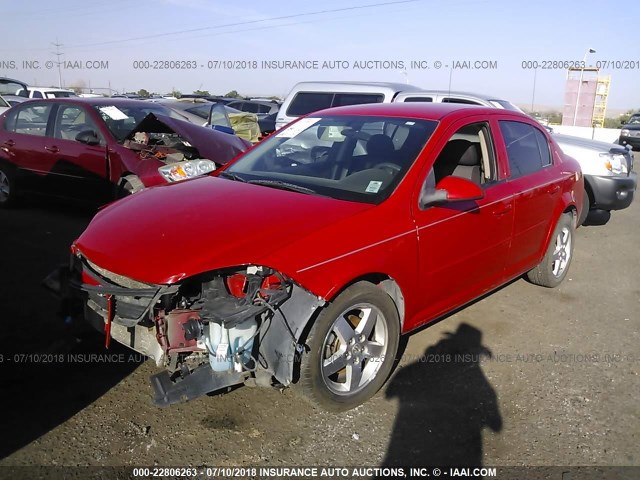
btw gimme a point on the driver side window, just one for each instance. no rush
(70, 121)
(469, 154)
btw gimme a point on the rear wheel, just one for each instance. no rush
(7, 185)
(555, 264)
(352, 349)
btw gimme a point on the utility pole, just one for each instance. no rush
(57, 53)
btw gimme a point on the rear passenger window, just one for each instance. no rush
(32, 120)
(307, 102)
(344, 99)
(527, 148)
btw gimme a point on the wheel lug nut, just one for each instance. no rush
(348, 356)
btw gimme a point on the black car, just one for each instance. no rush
(267, 124)
(630, 134)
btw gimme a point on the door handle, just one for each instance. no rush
(52, 149)
(9, 143)
(503, 211)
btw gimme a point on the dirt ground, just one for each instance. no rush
(525, 376)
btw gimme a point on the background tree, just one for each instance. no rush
(202, 92)
(144, 93)
(233, 94)
(78, 86)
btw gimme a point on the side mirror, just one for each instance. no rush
(88, 137)
(450, 189)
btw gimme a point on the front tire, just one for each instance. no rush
(555, 264)
(351, 349)
(7, 185)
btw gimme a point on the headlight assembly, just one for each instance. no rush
(175, 172)
(615, 163)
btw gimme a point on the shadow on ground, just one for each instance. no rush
(445, 402)
(47, 372)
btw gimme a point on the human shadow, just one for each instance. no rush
(445, 403)
(50, 369)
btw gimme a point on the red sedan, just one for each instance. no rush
(101, 148)
(304, 260)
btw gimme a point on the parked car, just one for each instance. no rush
(98, 148)
(610, 183)
(206, 113)
(630, 133)
(308, 97)
(316, 262)
(46, 92)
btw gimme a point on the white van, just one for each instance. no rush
(307, 97)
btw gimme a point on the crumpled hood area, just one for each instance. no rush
(164, 234)
(217, 146)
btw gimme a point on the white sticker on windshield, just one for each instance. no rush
(114, 112)
(298, 127)
(373, 186)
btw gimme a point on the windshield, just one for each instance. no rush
(3, 103)
(357, 158)
(122, 119)
(634, 120)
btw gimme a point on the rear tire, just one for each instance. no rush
(352, 349)
(555, 264)
(7, 185)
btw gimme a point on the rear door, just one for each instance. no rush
(531, 174)
(24, 142)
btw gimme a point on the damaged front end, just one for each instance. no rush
(211, 331)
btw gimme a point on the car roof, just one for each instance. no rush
(348, 86)
(50, 89)
(481, 96)
(422, 110)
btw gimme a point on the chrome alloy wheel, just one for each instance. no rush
(561, 252)
(354, 349)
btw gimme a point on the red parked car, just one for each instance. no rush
(304, 260)
(101, 148)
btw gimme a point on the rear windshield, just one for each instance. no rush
(307, 102)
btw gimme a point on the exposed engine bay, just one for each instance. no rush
(211, 331)
(168, 148)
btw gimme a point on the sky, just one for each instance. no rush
(483, 46)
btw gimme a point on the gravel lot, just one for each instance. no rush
(525, 376)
